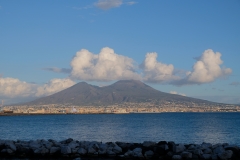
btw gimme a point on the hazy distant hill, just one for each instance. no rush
(121, 91)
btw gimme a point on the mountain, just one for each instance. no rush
(119, 92)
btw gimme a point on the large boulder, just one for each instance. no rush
(176, 157)
(179, 148)
(54, 150)
(218, 150)
(149, 154)
(186, 155)
(137, 152)
(206, 156)
(116, 149)
(10, 145)
(82, 151)
(148, 143)
(66, 150)
(225, 155)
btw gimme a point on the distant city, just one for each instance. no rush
(122, 108)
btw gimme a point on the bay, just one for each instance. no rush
(178, 127)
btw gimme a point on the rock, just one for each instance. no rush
(110, 153)
(214, 157)
(77, 158)
(116, 149)
(82, 151)
(206, 156)
(186, 155)
(198, 152)
(73, 144)
(11, 146)
(191, 147)
(137, 152)
(54, 150)
(218, 150)
(206, 145)
(91, 150)
(232, 148)
(65, 150)
(207, 151)
(179, 148)
(103, 149)
(162, 143)
(128, 153)
(172, 146)
(225, 155)
(67, 141)
(74, 150)
(149, 154)
(148, 143)
(34, 145)
(9, 151)
(176, 157)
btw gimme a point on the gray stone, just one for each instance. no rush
(77, 158)
(11, 146)
(65, 150)
(128, 153)
(198, 152)
(82, 151)
(187, 155)
(179, 148)
(214, 157)
(34, 145)
(74, 150)
(206, 156)
(149, 154)
(191, 147)
(225, 155)
(73, 144)
(9, 151)
(218, 150)
(137, 152)
(91, 150)
(148, 143)
(176, 157)
(207, 151)
(206, 145)
(234, 148)
(54, 150)
(111, 153)
(116, 149)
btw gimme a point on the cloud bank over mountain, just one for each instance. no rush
(110, 66)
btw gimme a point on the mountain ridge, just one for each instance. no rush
(121, 91)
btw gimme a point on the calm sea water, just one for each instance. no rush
(177, 127)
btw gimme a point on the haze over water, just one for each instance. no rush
(178, 127)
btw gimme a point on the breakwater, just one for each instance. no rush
(73, 149)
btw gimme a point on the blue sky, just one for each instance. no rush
(173, 46)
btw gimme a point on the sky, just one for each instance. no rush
(190, 48)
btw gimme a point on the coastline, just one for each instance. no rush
(74, 149)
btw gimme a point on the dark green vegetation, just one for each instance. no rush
(119, 92)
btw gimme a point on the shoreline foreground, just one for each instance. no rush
(73, 149)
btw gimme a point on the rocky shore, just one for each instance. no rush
(73, 149)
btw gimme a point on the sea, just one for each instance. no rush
(178, 127)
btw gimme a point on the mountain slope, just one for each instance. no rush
(119, 92)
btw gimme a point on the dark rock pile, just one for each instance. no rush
(72, 149)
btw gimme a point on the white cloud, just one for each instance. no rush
(105, 66)
(131, 3)
(12, 87)
(207, 68)
(157, 72)
(108, 4)
(53, 86)
(174, 92)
